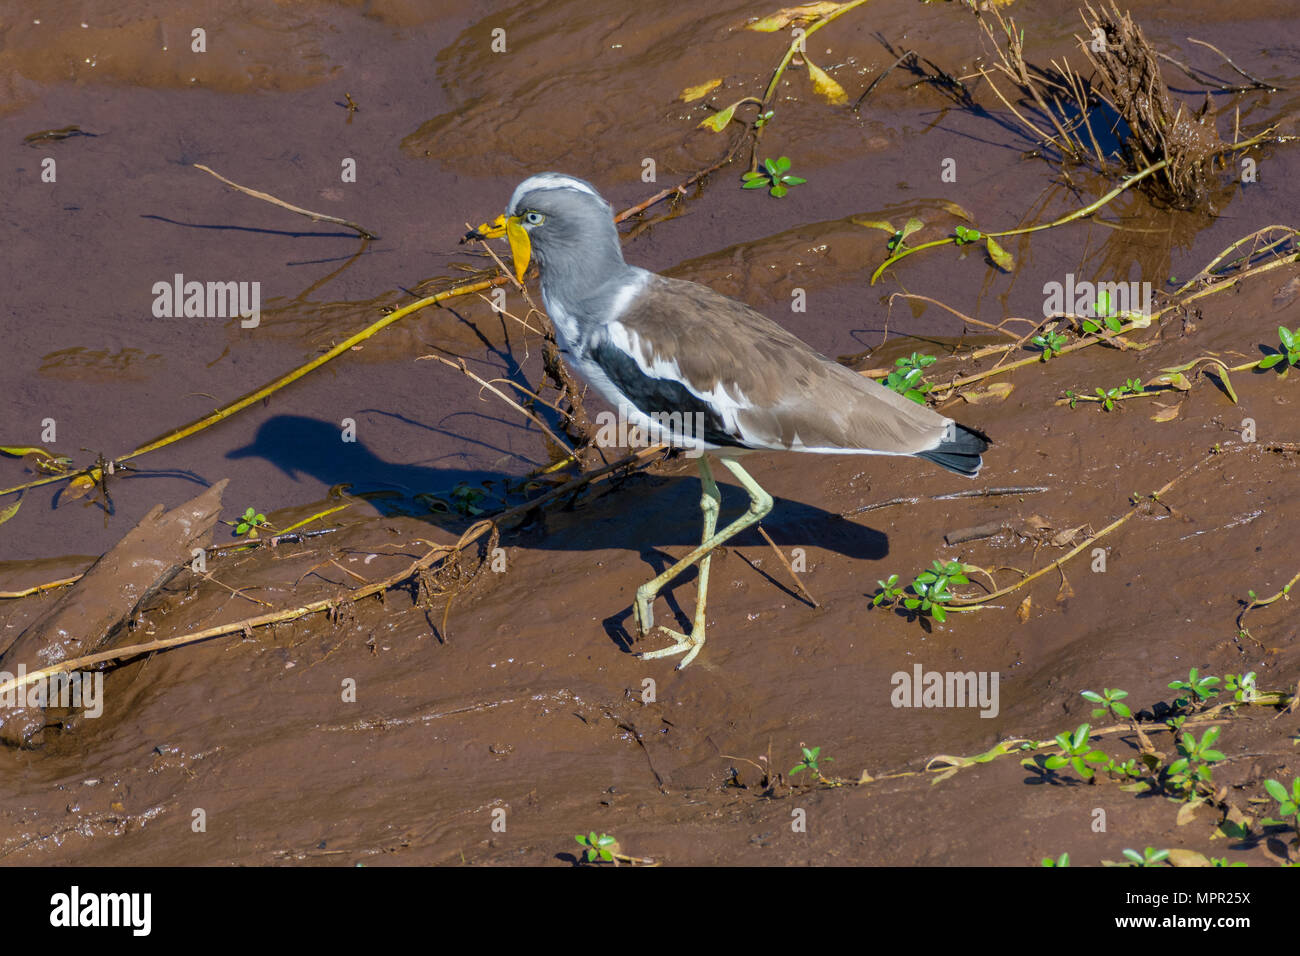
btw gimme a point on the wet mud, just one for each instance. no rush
(396, 729)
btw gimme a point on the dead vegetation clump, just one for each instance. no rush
(1129, 80)
(1121, 120)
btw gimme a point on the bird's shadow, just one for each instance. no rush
(642, 513)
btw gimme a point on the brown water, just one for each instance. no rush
(532, 702)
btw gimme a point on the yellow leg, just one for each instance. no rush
(760, 503)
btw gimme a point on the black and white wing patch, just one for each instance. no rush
(659, 396)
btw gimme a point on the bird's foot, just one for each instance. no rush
(683, 644)
(643, 610)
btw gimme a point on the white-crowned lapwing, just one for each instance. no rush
(669, 353)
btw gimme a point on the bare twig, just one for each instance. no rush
(460, 364)
(267, 197)
(1258, 83)
(798, 582)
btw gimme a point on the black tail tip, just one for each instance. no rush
(960, 451)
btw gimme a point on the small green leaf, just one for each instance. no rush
(1276, 790)
(1222, 374)
(719, 120)
(881, 224)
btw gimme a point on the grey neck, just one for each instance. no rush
(576, 272)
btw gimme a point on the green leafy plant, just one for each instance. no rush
(1104, 311)
(762, 119)
(601, 847)
(811, 761)
(1111, 701)
(466, 499)
(889, 592)
(249, 522)
(1148, 857)
(1062, 860)
(1290, 341)
(1199, 690)
(1077, 752)
(773, 177)
(930, 592)
(1192, 770)
(898, 241)
(1050, 342)
(931, 588)
(1108, 397)
(1133, 769)
(1241, 687)
(907, 377)
(1288, 803)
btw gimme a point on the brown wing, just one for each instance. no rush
(777, 392)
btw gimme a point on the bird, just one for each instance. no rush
(696, 369)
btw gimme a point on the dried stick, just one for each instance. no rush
(502, 395)
(267, 197)
(798, 582)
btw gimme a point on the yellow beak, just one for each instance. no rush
(521, 248)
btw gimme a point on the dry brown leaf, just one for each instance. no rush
(784, 17)
(1181, 857)
(80, 486)
(1022, 612)
(1065, 537)
(1167, 413)
(996, 392)
(1186, 814)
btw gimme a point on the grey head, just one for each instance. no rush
(573, 238)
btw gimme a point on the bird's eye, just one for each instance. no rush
(534, 218)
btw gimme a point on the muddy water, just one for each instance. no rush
(529, 701)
